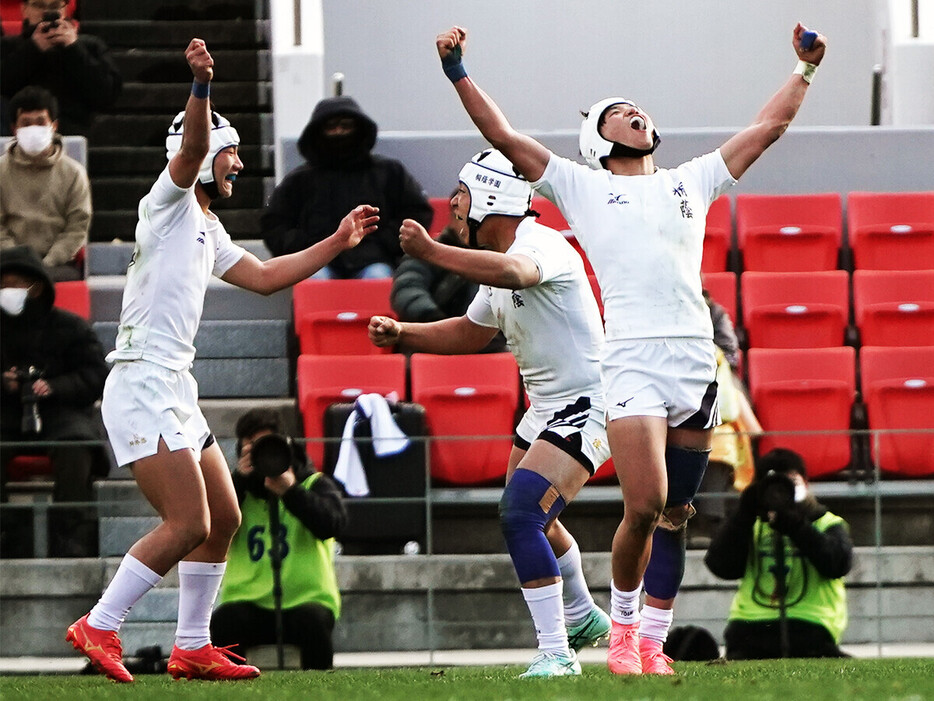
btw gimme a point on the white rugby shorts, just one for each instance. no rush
(673, 378)
(578, 428)
(143, 401)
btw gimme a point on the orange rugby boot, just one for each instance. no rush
(209, 662)
(102, 647)
(623, 656)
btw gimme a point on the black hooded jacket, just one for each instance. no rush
(308, 205)
(60, 344)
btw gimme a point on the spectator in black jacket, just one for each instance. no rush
(68, 377)
(311, 515)
(341, 172)
(779, 518)
(76, 68)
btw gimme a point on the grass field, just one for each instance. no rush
(778, 680)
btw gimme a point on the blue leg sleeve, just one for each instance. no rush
(686, 468)
(663, 576)
(529, 502)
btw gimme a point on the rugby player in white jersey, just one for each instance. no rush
(534, 289)
(642, 229)
(150, 404)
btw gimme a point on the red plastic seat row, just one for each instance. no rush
(470, 399)
(810, 392)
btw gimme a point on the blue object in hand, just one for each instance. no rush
(807, 40)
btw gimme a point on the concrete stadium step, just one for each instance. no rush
(168, 65)
(217, 33)
(112, 258)
(235, 338)
(150, 130)
(241, 224)
(170, 10)
(125, 192)
(253, 96)
(223, 301)
(150, 160)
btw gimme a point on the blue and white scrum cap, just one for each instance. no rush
(223, 135)
(495, 187)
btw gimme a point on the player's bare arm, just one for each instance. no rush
(529, 156)
(742, 150)
(280, 272)
(453, 336)
(196, 137)
(483, 267)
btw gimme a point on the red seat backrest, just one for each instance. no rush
(465, 396)
(805, 389)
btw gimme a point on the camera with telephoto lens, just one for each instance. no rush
(776, 492)
(52, 18)
(32, 421)
(272, 454)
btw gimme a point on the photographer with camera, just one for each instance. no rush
(49, 52)
(53, 372)
(791, 555)
(276, 487)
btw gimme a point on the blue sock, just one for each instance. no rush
(663, 576)
(528, 503)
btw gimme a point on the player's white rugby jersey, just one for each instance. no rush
(553, 328)
(178, 248)
(644, 236)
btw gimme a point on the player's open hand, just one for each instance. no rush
(414, 239)
(815, 53)
(384, 331)
(359, 222)
(202, 65)
(452, 39)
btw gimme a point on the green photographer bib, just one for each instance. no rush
(810, 596)
(307, 563)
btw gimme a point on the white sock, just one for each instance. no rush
(198, 584)
(132, 580)
(624, 605)
(577, 599)
(548, 615)
(655, 623)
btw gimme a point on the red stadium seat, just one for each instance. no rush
(24, 468)
(74, 296)
(605, 474)
(550, 214)
(718, 236)
(442, 215)
(898, 389)
(325, 379)
(795, 310)
(722, 288)
(331, 316)
(805, 389)
(891, 230)
(789, 233)
(467, 395)
(894, 307)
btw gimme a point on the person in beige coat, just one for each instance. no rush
(45, 202)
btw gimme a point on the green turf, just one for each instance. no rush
(779, 680)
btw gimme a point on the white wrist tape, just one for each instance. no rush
(805, 70)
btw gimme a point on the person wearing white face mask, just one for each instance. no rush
(780, 527)
(53, 370)
(55, 224)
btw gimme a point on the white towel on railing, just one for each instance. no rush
(388, 439)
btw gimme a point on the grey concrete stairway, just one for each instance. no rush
(127, 144)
